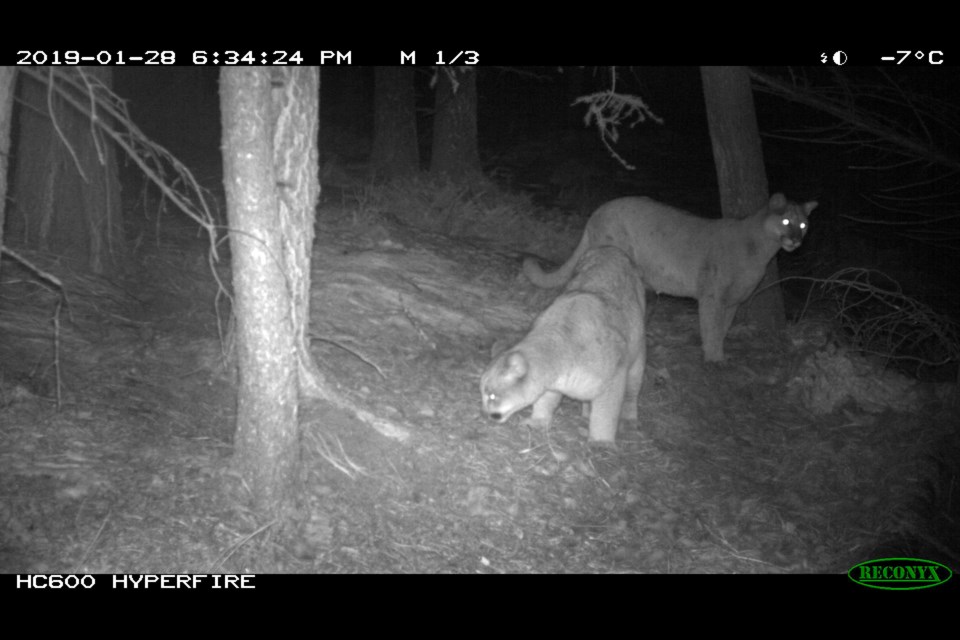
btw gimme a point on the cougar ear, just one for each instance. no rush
(516, 365)
(778, 201)
(810, 206)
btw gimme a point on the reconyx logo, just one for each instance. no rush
(899, 574)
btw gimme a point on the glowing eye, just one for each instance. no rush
(803, 225)
(785, 222)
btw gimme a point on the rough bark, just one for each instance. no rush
(267, 442)
(395, 151)
(738, 155)
(455, 151)
(7, 76)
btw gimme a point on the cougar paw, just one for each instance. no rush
(535, 423)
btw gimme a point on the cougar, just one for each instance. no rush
(589, 345)
(718, 262)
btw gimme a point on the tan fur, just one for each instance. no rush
(718, 262)
(589, 345)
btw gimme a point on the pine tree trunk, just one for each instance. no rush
(66, 183)
(395, 151)
(455, 151)
(738, 154)
(7, 77)
(270, 175)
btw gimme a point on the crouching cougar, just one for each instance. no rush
(718, 262)
(589, 344)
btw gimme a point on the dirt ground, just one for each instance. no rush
(728, 472)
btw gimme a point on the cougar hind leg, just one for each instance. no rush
(605, 410)
(631, 395)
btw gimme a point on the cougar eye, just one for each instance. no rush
(785, 222)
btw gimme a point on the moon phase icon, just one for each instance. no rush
(839, 58)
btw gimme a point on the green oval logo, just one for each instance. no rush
(900, 574)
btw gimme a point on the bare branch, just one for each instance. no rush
(886, 131)
(879, 319)
(608, 110)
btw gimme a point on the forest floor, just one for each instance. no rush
(131, 470)
(117, 421)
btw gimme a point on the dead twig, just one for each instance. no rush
(879, 319)
(359, 356)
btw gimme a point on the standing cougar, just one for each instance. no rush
(589, 345)
(718, 262)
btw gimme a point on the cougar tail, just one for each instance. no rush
(539, 277)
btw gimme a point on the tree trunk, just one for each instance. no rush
(738, 155)
(455, 150)
(270, 176)
(395, 151)
(7, 76)
(66, 182)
